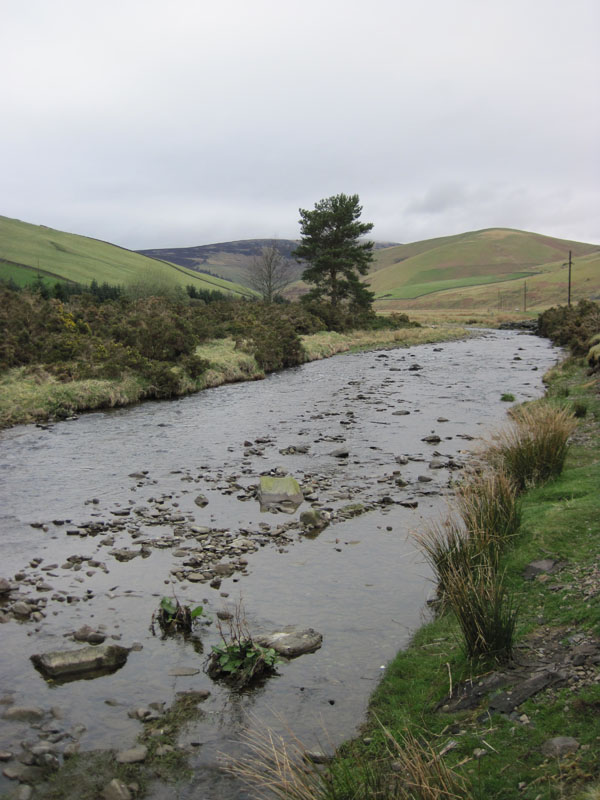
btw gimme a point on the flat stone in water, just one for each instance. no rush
(180, 672)
(274, 491)
(24, 713)
(86, 659)
(291, 641)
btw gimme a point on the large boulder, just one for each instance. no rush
(291, 641)
(282, 494)
(71, 663)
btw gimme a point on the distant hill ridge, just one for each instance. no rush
(229, 260)
(494, 268)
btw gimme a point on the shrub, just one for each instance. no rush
(572, 326)
(534, 448)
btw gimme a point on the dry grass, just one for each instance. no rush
(228, 364)
(325, 344)
(278, 769)
(32, 397)
(534, 447)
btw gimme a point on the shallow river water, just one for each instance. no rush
(361, 582)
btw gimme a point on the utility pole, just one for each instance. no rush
(569, 292)
(524, 296)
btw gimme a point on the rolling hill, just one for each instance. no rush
(27, 251)
(495, 268)
(230, 260)
(486, 268)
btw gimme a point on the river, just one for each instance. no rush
(361, 582)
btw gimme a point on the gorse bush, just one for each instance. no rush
(534, 448)
(571, 326)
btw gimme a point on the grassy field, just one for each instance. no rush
(412, 290)
(501, 756)
(483, 269)
(27, 249)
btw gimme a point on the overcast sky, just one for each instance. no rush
(170, 123)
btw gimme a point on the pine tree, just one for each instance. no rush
(336, 258)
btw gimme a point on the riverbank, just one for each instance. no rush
(531, 730)
(35, 395)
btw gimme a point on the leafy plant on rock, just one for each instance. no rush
(238, 659)
(172, 616)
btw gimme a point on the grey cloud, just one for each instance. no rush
(153, 124)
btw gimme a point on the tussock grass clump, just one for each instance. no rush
(485, 611)
(489, 502)
(534, 448)
(448, 550)
(464, 552)
(281, 769)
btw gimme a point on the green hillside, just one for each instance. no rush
(29, 250)
(470, 269)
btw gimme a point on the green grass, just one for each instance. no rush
(24, 276)
(560, 520)
(81, 259)
(35, 396)
(411, 291)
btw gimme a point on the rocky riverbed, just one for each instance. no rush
(104, 515)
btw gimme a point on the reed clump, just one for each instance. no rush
(489, 502)
(485, 611)
(533, 449)
(465, 550)
(279, 769)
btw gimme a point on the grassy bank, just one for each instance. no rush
(35, 396)
(443, 725)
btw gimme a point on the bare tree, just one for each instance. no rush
(270, 272)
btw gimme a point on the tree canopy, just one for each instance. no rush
(336, 258)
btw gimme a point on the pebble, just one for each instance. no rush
(560, 746)
(116, 790)
(132, 756)
(24, 713)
